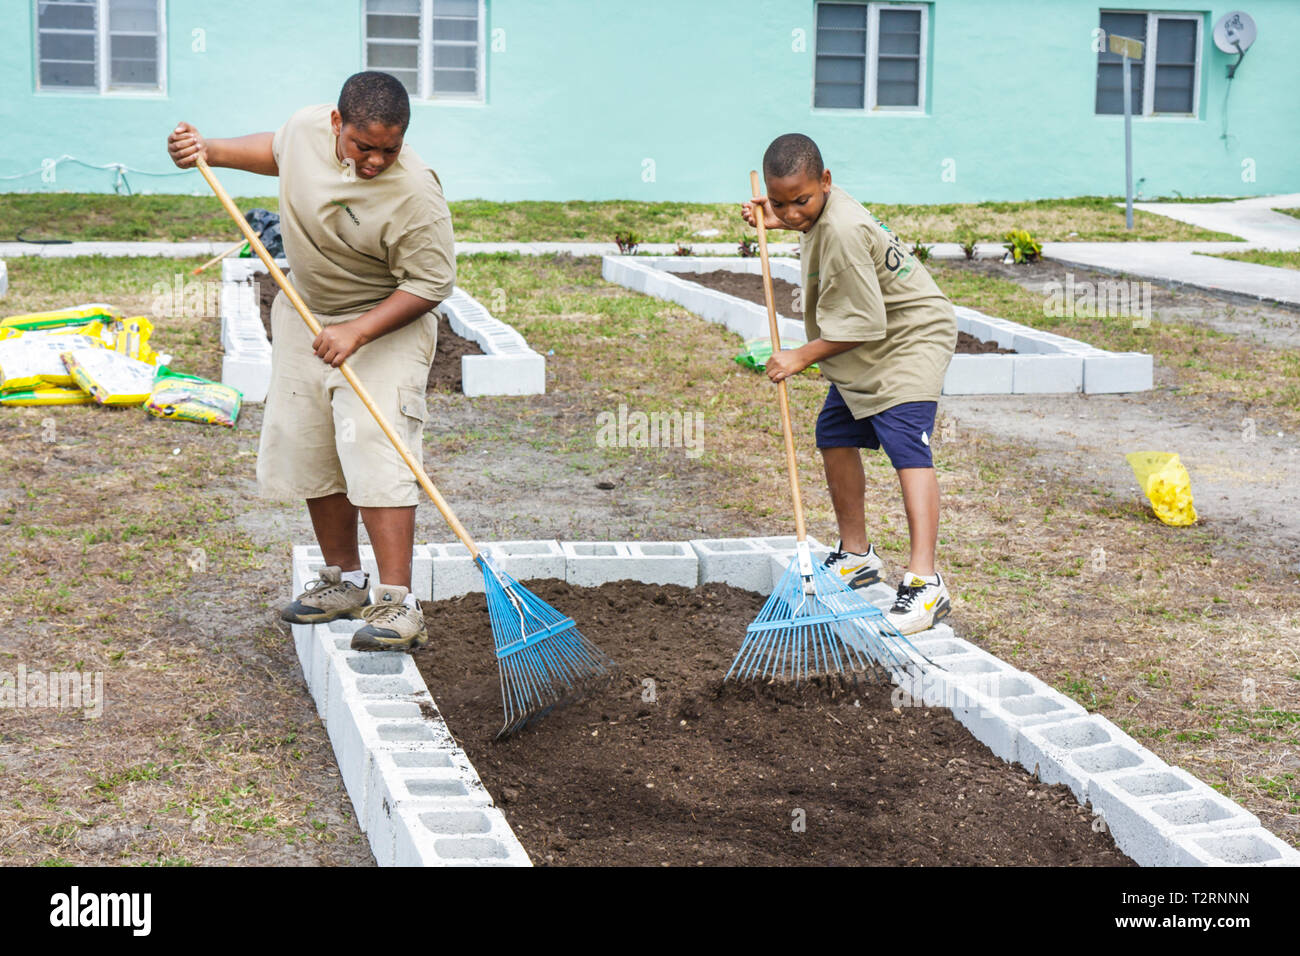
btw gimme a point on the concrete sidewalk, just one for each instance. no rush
(1186, 263)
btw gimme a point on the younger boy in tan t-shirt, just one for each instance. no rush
(883, 334)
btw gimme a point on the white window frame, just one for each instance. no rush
(424, 56)
(103, 57)
(869, 94)
(1149, 63)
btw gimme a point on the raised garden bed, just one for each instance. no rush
(1043, 362)
(672, 767)
(495, 359)
(444, 373)
(749, 286)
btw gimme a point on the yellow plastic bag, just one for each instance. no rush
(131, 338)
(1166, 484)
(112, 378)
(47, 395)
(34, 360)
(59, 318)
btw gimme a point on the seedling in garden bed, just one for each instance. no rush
(748, 247)
(627, 242)
(922, 251)
(683, 250)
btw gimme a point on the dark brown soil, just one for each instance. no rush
(967, 344)
(750, 287)
(444, 373)
(671, 767)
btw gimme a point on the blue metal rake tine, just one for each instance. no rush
(542, 667)
(831, 630)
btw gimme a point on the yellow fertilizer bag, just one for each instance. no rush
(33, 360)
(60, 318)
(1166, 484)
(188, 398)
(47, 395)
(130, 337)
(111, 378)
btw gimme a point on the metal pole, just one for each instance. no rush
(1128, 144)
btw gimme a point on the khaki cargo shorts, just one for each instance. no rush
(318, 438)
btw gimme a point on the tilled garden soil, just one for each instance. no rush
(750, 287)
(668, 766)
(444, 373)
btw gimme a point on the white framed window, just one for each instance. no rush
(1167, 80)
(435, 47)
(101, 46)
(870, 56)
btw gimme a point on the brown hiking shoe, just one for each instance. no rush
(327, 598)
(390, 624)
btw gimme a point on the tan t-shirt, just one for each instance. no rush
(861, 285)
(352, 241)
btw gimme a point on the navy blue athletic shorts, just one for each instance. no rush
(902, 431)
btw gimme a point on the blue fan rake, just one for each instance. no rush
(811, 623)
(544, 661)
(543, 658)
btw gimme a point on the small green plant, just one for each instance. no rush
(967, 238)
(1022, 246)
(748, 247)
(683, 250)
(922, 251)
(627, 242)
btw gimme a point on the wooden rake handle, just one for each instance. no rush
(448, 515)
(786, 428)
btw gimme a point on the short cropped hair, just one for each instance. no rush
(374, 97)
(790, 154)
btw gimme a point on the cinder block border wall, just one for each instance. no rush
(508, 366)
(1045, 363)
(420, 801)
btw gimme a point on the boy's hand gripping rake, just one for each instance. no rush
(544, 660)
(812, 623)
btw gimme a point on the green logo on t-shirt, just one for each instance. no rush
(347, 209)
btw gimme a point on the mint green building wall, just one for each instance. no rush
(675, 100)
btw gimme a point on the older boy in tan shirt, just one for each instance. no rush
(368, 237)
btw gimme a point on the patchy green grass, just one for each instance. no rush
(1293, 211)
(94, 216)
(1261, 257)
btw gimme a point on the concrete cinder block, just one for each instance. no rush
(590, 564)
(439, 784)
(979, 375)
(503, 374)
(996, 704)
(1241, 847)
(1074, 752)
(527, 560)
(1147, 812)
(249, 372)
(740, 562)
(437, 837)
(1046, 373)
(1117, 372)
(453, 571)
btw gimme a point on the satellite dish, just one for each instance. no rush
(1235, 32)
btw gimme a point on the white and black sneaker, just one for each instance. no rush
(921, 603)
(853, 569)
